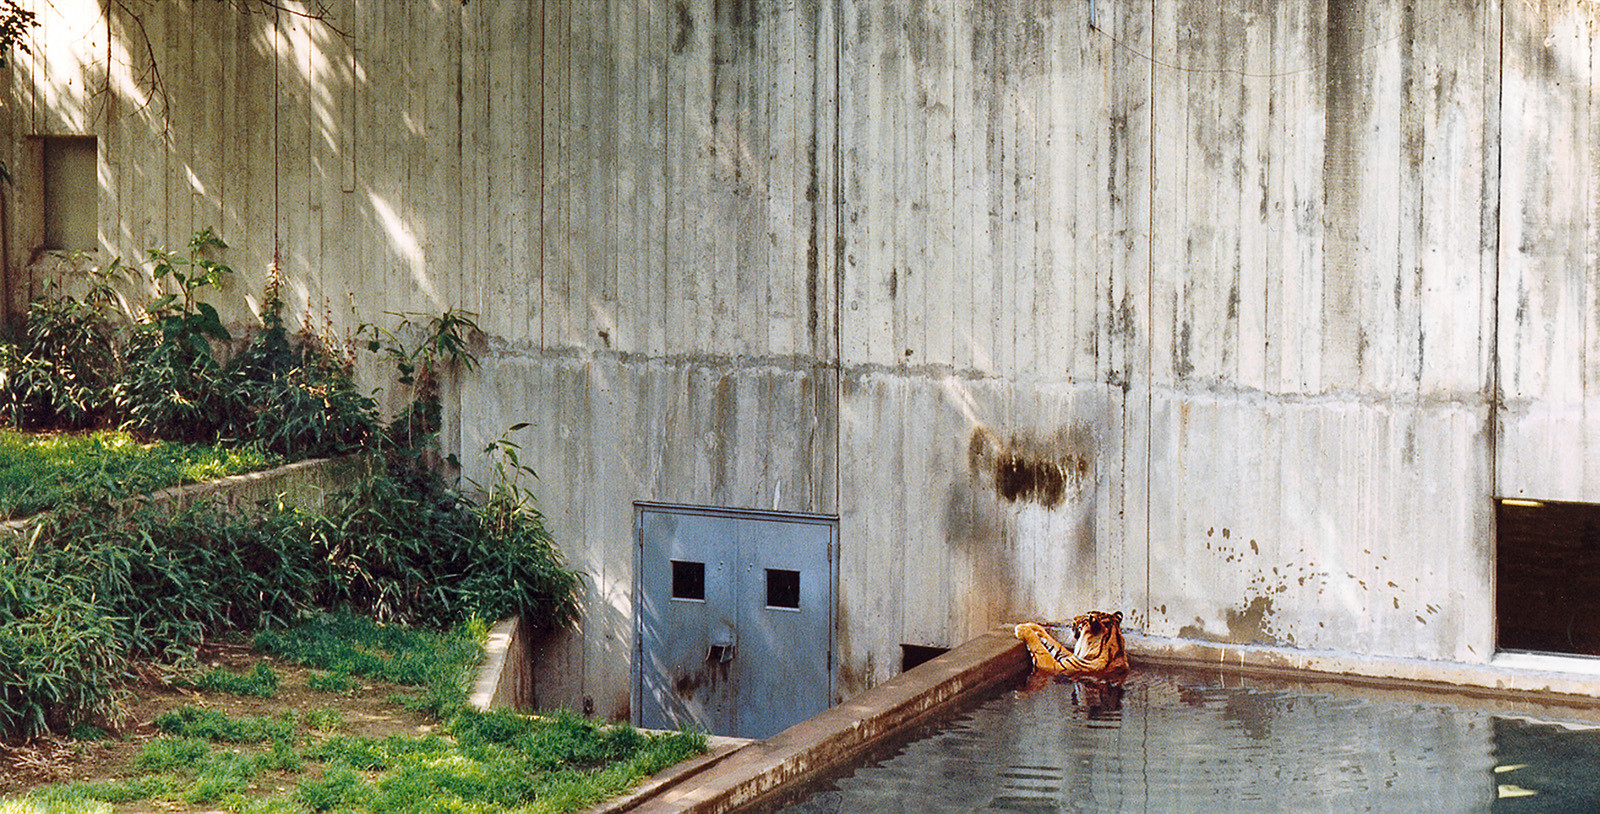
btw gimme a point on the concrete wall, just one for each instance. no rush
(1233, 316)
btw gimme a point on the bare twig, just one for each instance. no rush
(156, 85)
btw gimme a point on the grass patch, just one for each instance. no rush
(441, 663)
(307, 759)
(197, 722)
(336, 682)
(262, 682)
(38, 472)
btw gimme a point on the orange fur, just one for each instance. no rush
(1099, 650)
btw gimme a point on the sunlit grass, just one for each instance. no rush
(296, 761)
(39, 471)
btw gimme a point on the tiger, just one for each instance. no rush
(1099, 650)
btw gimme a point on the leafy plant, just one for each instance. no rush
(59, 659)
(59, 371)
(445, 345)
(297, 398)
(174, 386)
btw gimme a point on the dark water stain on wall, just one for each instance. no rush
(685, 27)
(1025, 468)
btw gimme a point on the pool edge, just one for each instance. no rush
(1559, 682)
(811, 748)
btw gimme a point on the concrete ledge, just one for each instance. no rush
(838, 736)
(720, 748)
(505, 677)
(303, 483)
(1563, 681)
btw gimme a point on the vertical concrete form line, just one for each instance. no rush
(1491, 217)
(277, 145)
(838, 264)
(1492, 207)
(1149, 311)
(544, 47)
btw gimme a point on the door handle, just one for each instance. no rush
(722, 646)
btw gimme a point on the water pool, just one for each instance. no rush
(1177, 740)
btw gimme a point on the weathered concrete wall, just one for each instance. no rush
(1233, 316)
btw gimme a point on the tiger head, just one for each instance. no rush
(1099, 647)
(1097, 651)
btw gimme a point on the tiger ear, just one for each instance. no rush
(1117, 617)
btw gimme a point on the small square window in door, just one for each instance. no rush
(689, 580)
(783, 589)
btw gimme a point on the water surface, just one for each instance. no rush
(1184, 741)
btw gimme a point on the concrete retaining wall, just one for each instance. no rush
(304, 483)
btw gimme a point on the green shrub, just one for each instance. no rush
(59, 371)
(59, 653)
(151, 582)
(171, 579)
(174, 387)
(79, 363)
(411, 549)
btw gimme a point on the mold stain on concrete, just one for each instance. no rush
(1248, 625)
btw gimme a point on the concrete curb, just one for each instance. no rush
(302, 483)
(487, 690)
(834, 738)
(1563, 681)
(672, 776)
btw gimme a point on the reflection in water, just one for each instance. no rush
(1180, 742)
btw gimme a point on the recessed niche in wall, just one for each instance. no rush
(1548, 576)
(70, 187)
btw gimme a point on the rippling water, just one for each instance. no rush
(1182, 742)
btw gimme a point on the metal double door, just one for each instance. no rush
(735, 619)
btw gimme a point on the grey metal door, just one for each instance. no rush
(735, 619)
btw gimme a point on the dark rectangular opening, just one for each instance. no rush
(688, 580)
(70, 187)
(783, 589)
(1547, 596)
(912, 655)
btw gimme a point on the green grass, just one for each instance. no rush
(39, 471)
(441, 663)
(294, 763)
(259, 683)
